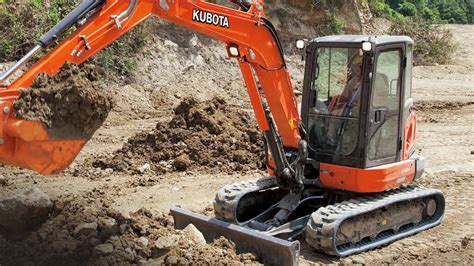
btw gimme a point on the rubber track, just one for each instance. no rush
(324, 223)
(227, 198)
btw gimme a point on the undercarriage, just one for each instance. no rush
(333, 222)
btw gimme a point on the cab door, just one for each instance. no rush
(384, 125)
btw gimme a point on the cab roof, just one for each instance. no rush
(377, 40)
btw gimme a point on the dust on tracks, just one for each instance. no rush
(450, 242)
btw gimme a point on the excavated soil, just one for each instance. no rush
(69, 104)
(207, 135)
(444, 137)
(86, 231)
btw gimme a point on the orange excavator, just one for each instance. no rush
(340, 163)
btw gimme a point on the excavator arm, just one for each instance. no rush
(263, 212)
(249, 38)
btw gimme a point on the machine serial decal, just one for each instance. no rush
(210, 18)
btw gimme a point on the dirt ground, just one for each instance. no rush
(129, 207)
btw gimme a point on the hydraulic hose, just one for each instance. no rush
(66, 23)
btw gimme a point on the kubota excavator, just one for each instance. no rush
(339, 173)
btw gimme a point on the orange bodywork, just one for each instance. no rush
(27, 144)
(409, 136)
(375, 179)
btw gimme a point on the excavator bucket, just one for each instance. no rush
(269, 250)
(27, 144)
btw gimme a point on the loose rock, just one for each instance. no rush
(24, 211)
(167, 242)
(193, 233)
(358, 260)
(142, 241)
(144, 168)
(104, 249)
(172, 260)
(3, 181)
(465, 241)
(86, 229)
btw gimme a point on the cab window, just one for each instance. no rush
(386, 97)
(334, 111)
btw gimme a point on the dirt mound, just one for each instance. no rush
(220, 252)
(85, 230)
(440, 105)
(70, 104)
(207, 134)
(439, 111)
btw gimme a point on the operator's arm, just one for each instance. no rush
(249, 37)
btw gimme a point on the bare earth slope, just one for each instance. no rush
(84, 194)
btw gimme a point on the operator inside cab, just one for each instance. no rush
(350, 96)
(334, 118)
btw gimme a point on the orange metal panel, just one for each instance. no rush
(254, 95)
(375, 179)
(26, 143)
(409, 136)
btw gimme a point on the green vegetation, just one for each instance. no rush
(437, 11)
(22, 23)
(423, 21)
(382, 9)
(120, 57)
(336, 24)
(433, 43)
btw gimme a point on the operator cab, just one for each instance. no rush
(356, 99)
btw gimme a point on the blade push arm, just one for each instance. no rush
(249, 37)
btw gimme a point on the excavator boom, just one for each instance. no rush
(340, 179)
(248, 36)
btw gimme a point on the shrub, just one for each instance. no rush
(336, 24)
(22, 23)
(433, 43)
(381, 9)
(430, 14)
(407, 9)
(121, 57)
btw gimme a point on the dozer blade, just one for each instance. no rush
(269, 250)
